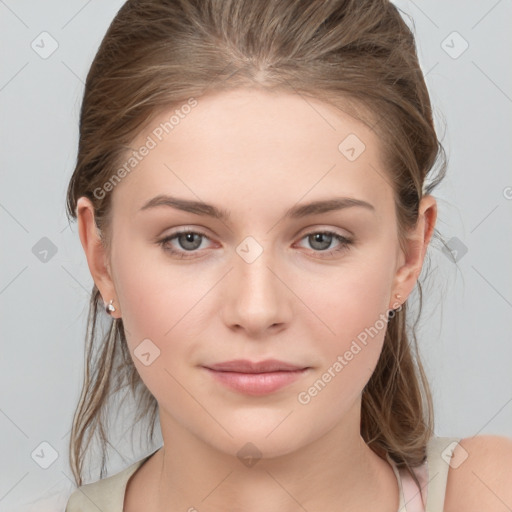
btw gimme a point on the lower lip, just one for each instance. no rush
(257, 383)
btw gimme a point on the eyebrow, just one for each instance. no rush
(295, 212)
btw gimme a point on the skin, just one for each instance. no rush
(257, 154)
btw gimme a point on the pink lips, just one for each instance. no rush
(256, 378)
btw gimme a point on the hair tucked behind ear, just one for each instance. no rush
(359, 56)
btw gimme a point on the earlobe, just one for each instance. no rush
(95, 252)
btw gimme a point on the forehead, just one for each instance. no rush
(258, 145)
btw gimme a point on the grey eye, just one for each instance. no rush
(186, 240)
(320, 241)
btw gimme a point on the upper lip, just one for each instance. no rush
(246, 366)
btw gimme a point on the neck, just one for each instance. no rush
(336, 470)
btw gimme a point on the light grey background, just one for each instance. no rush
(465, 333)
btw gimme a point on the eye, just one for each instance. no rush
(321, 241)
(189, 240)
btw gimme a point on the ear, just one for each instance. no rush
(417, 242)
(95, 252)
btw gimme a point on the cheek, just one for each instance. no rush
(161, 312)
(346, 301)
(154, 293)
(157, 329)
(350, 328)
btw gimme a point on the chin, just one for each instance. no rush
(258, 443)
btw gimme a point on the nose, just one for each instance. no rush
(257, 298)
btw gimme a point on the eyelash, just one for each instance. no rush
(345, 243)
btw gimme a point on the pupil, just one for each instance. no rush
(319, 238)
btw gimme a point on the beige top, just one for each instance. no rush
(107, 495)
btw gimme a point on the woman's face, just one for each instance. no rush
(261, 282)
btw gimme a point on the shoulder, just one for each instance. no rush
(480, 475)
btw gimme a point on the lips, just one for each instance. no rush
(246, 366)
(256, 377)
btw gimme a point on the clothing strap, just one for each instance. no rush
(106, 495)
(413, 501)
(439, 453)
(432, 476)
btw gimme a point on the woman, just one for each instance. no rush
(252, 199)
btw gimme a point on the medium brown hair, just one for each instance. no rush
(357, 55)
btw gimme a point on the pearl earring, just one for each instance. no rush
(109, 308)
